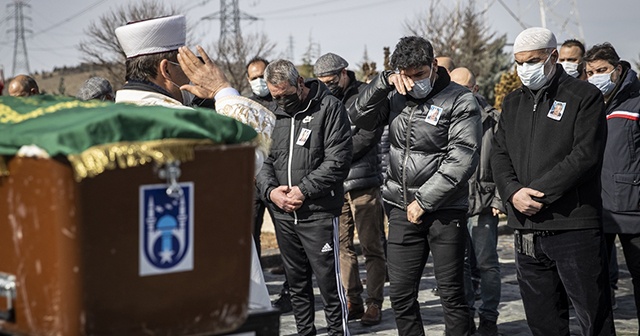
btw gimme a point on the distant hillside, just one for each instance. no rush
(67, 80)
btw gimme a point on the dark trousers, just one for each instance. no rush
(631, 248)
(443, 233)
(567, 263)
(258, 218)
(311, 248)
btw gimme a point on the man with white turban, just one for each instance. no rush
(154, 77)
(546, 166)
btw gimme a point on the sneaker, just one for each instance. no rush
(372, 316)
(487, 328)
(283, 303)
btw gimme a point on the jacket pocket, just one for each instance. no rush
(627, 192)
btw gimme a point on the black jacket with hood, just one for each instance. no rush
(561, 157)
(319, 165)
(429, 161)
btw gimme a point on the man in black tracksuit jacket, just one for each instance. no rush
(302, 180)
(546, 162)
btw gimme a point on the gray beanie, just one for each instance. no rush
(94, 87)
(329, 64)
(535, 38)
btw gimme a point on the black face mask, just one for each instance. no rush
(336, 90)
(289, 103)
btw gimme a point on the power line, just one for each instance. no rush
(20, 58)
(278, 11)
(334, 11)
(70, 18)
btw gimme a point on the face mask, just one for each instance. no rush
(571, 69)
(289, 103)
(422, 87)
(259, 87)
(603, 82)
(187, 97)
(336, 90)
(532, 75)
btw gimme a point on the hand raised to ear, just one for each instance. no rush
(206, 77)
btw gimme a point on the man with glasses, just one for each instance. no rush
(362, 209)
(546, 166)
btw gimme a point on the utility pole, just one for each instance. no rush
(20, 58)
(229, 16)
(290, 49)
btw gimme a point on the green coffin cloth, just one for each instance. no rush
(73, 128)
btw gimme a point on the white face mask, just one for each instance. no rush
(259, 87)
(422, 87)
(532, 75)
(603, 82)
(571, 69)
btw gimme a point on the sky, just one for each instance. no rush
(345, 27)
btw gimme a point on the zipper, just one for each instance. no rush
(406, 158)
(533, 132)
(292, 135)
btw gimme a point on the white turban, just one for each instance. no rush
(153, 36)
(535, 38)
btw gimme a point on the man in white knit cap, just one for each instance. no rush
(154, 77)
(546, 167)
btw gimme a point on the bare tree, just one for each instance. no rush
(232, 56)
(461, 34)
(102, 47)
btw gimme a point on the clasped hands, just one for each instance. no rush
(287, 199)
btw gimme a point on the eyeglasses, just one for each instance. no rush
(334, 81)
(174, 63)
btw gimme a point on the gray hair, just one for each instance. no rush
(280, 71)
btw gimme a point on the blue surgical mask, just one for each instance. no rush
(422, 87)
(532, 75)
(603, 82)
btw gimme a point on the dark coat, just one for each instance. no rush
(365, 170)
(561, 158)
(319, 165)
(621, 166)
(483, 194)
(429, 162)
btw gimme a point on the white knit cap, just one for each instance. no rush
(153, 36)
(535, 38)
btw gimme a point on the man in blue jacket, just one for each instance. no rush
(546, 161)
(621, 167)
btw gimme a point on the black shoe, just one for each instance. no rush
(487, 328)
(283, 303)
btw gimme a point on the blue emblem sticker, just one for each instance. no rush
(166, 230)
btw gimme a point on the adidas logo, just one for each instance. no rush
(326, 248)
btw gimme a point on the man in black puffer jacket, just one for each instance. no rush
(362, 207)
(546, 160)
(302, 181)
(434, 133)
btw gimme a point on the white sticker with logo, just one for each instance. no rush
(303, 136)
(166, 230)
(433, 116)
(557, 110)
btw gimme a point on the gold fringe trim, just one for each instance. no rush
(98, 159)
(4, 171)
